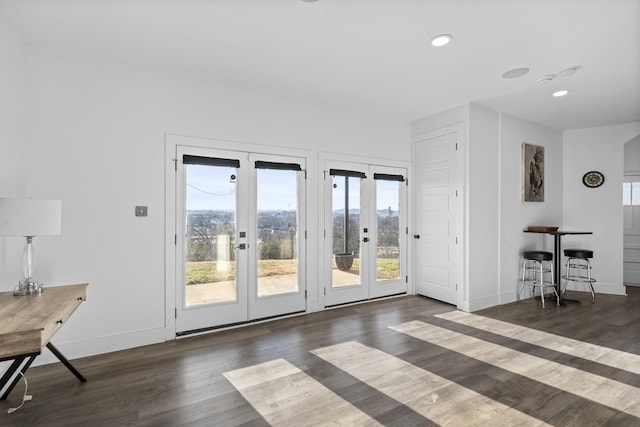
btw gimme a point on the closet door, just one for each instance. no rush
(438, 217)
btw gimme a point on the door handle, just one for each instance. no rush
(241, 246)
(366, 239)
(416, 236)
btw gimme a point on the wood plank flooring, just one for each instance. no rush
(407, 361)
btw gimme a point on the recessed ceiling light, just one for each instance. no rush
(515, 73)
(560, 93)
(441, 40)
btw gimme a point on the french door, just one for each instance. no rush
(365, 232)
(239, 220)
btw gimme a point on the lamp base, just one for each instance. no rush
(28, 287)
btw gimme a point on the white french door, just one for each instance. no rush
(239, 252)
(365, 232)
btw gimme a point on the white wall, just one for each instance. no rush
(632, 155)
(495, 213)
(96, 138)
(456, 115)
(516, 215)
(483, 177)
(598, 209)
(13, 167)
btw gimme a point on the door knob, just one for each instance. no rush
(416, 236)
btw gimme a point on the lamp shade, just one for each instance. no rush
(30, 217)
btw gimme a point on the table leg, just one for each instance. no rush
(19, 365)
(557, 264)
(65, 362)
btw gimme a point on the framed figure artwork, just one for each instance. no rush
(532, 173)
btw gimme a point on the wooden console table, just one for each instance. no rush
(27, 323)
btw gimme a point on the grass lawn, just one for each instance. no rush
(211, 272)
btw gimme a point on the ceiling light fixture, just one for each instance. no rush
(441, 40)
(568, 72)
(560, 93)
(515, 73)
(546, 78)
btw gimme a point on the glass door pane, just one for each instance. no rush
(346, 225)
(388, 229)
(210, 264)
(277, 231)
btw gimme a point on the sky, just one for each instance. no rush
(214, 188)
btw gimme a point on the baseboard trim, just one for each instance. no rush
(101, 345)
(600, 288)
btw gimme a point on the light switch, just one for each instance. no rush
(141, 211)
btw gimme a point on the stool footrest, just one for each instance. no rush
(578, 279)
(580, 266)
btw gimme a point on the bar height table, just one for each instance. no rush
(557, 253)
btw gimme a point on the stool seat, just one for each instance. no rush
(537, 273)
(578, 253)
(537, 255)
(579, 269)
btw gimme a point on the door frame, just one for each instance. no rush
(257, 308)
(172, 141)
(630, 238)
(236, 311)
(323, 158)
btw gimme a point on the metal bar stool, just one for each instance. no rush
(578, 269)
(535, 266)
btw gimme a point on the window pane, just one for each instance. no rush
(277, 231)
(635, 193)
(388, 227)
(346, 231)
(626, 193)
(211, 228)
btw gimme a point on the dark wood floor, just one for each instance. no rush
(181, 383)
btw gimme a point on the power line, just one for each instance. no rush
(231, 192)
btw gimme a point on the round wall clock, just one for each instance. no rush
(593, 179)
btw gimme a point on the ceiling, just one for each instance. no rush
(371, 56)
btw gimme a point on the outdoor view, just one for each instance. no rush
(346, 230)
(210, 269)
(210, 273)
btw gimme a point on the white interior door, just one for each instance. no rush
(365, 232)
(239, 252)
(438, 217)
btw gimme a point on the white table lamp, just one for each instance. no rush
(29, 218)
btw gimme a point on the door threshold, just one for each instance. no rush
(235, 325)
(364, 301)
